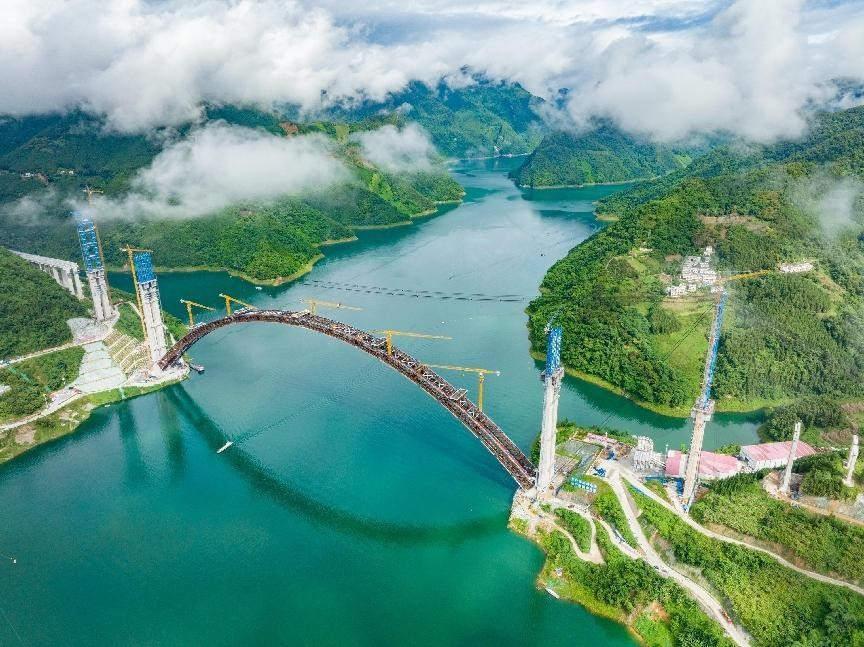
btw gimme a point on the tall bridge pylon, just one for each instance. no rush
(506, 452)
(551, 377)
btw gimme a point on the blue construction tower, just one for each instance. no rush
(91, 251)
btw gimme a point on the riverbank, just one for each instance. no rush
(21, 439)
(307, 267)
(722, 406)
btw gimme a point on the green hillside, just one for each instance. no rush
(33, 308)
(786, 335)
(480, 120)
(602, 155)
(269, 240)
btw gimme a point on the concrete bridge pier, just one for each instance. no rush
(552, 377)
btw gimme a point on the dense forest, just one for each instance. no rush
(33, 308)
(602, 155)
(785, 335)
(264, 240)
(479, 120)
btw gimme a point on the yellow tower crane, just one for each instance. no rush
(389, 334)
(189, 305)
(229, 299)
(131, 252)
(314, 303)
(481, 377)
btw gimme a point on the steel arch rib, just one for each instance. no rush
(454, 400)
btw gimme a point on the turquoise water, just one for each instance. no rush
(352, 509)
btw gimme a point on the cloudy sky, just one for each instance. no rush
(666, 68)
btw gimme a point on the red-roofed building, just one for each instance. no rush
(711, 465)
(772, 455)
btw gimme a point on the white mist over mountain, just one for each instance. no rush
(665, 68)
(219, 165)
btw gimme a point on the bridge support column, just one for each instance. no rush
(552, 377)
(549, 429)
(99, 293)
(793, 447)
(850, 462)
(151, 308)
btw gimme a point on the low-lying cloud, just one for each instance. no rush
(220, 165)
(395, 149)
(663, 68)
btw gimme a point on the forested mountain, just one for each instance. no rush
(479, 120)
(33, 308)
(602, 155)
(54, 157)
(785, 335)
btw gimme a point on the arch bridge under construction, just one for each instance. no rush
(517, 464)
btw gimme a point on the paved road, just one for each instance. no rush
(633, 480)
(705, 599)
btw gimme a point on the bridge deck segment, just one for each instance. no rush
(454, 400)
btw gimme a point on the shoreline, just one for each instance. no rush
(68, 418)
(306, 268)
(582, 186)
(664, 410)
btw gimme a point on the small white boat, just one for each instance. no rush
(225, 446)
(552, 593)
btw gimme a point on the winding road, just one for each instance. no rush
(632, 480)
(710, 604)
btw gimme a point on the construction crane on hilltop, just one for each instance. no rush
(229, 299)
(481, 377)
(326, 304)
(389, 334)
(189, 305)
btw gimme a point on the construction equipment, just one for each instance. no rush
(229, 299)
(314, 303)
(481, 377)
(131, 251)
(389, 334)
(189, 305)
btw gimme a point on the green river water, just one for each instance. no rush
(352, 509)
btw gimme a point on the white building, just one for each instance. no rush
(794, 268)
(772, 455)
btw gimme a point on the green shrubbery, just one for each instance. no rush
(822, 543)
(777, 606)
(33, 308)
(607, 506)
(623, 585)
(578, 527)
(32, 380)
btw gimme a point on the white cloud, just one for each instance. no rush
(662, 67)
(219, 165)
(394, 149)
